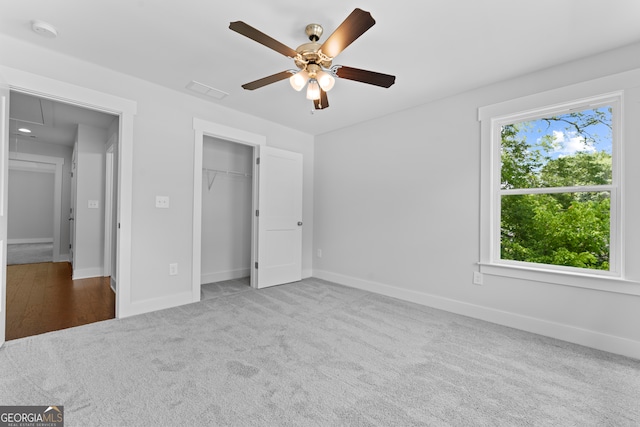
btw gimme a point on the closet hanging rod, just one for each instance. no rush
(227, 172)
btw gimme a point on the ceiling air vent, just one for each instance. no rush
(205, 90)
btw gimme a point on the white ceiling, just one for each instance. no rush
(50, 122)
(435, 48)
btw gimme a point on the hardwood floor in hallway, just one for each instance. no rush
(43, 297)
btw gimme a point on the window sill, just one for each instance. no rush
(586, 281)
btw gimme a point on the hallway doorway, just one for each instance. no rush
(46, 296)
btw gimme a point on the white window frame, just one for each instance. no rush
(579, 96)
(613, 101)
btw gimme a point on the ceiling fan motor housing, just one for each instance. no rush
(309, 52)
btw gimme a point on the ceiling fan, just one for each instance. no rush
(314, 60)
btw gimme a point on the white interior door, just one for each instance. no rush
(280, 217)
(72, 208)
(108, 210)
(4, 178)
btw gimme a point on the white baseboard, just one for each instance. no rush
(220, 276)
(34, 240)
(588, 338)
(237, 274)
(86, 273)
(156, 304)
(62, 258)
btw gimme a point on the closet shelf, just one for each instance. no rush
(215, 173)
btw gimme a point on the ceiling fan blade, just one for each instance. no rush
(351, 28)
(364, 76)
(248, 31)
(323, 102)
(267, 80)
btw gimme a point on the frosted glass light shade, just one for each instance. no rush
(313, 90)
(299, 79)
(325, 80)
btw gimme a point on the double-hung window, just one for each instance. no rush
(554, 201)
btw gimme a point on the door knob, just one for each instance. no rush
(299, 223)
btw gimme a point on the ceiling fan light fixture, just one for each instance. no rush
(313, 90)
(314, 60)
(299, 79)
(325, 80)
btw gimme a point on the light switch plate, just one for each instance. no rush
(94, 204)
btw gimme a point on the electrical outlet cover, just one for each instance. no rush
(477, 278)
(162, 202)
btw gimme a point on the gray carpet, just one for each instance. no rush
(315, 354)
(29, 253)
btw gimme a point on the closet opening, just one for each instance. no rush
(227, 217)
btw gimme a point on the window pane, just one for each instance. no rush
(569, 229)
(567, 150)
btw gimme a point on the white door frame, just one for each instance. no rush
(55, 90)
(5, 94)
(57, 162)
(201, 129)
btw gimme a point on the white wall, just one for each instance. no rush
(89, 222)
(30, 216)
(397, 212)
(63, 152)
(226, 211)
(163, 155)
